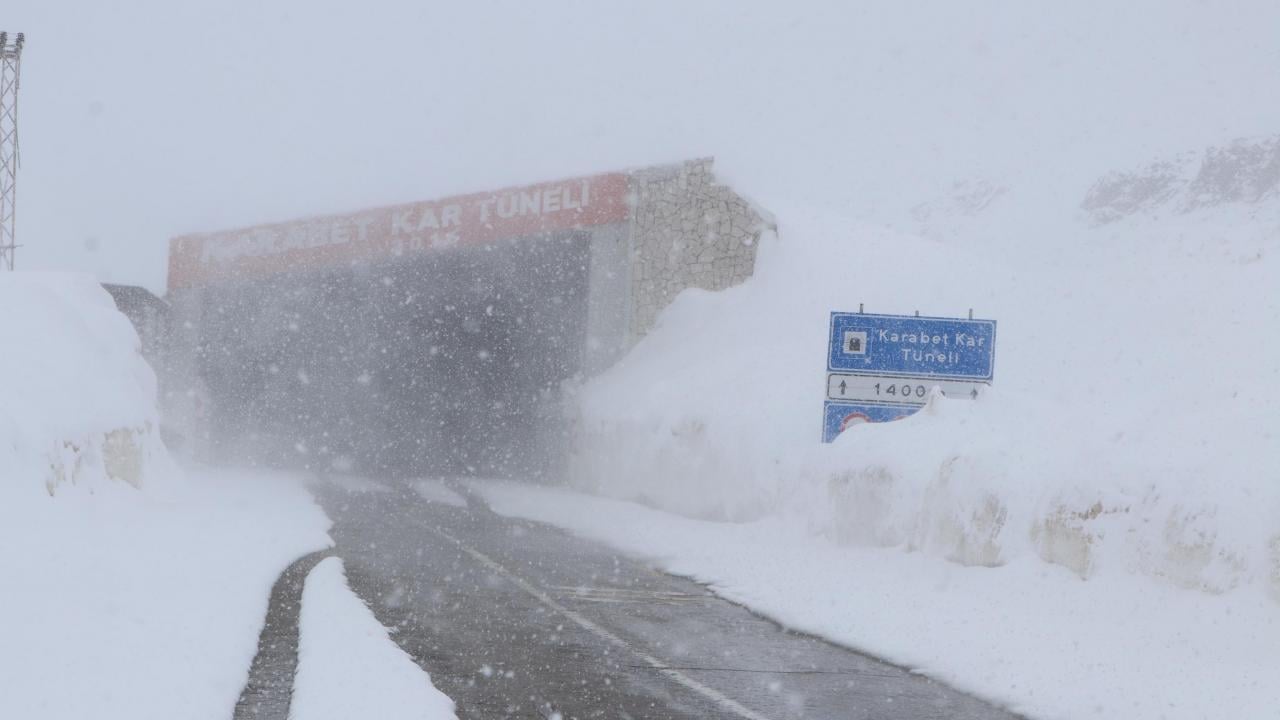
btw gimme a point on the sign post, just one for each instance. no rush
(883, 367)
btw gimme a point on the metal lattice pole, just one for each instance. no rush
(10, 65)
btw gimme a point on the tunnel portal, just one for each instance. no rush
(435, 338)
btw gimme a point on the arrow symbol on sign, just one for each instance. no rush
(974, 393)
(843, 385)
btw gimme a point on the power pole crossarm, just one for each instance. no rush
(10, 67)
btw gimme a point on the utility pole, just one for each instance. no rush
(10, 65)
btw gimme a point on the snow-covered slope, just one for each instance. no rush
(1136, 366)
(1131, 432)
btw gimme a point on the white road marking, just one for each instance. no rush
(623, 595)
(711, 694)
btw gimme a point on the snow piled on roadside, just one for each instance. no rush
(1130, 435)
(130, 589)
(347, 665)
(1027, 635)
(78, 400)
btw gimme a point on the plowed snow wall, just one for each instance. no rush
(77, 400)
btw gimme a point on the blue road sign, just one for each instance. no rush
(837, 416)
(910, 346)
(880, 367)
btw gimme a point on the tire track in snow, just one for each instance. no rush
(269, 688)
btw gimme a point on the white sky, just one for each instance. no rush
(143, 119)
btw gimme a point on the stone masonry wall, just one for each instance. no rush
(688, 231)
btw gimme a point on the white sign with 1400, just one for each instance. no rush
(907, 391)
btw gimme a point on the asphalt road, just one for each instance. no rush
(515, 619)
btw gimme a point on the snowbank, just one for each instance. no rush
(1130, 431)
(347, 665)
(1027, 635)
(79, 401)
(129, 589)
(1134, 383)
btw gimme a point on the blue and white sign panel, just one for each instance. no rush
(910, 346)
(881, 367)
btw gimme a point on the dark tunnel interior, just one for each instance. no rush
(446, 363)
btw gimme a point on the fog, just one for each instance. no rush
(484, 371)
(144, 120)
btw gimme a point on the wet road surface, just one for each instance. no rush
(516, 619)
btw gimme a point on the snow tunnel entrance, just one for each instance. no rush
(444, 363)
(432, 337)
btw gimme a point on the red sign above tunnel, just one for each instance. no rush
(196, 260)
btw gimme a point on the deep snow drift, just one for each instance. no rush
(1129, 436)
(129, 590)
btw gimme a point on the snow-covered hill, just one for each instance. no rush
(1130, 436)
